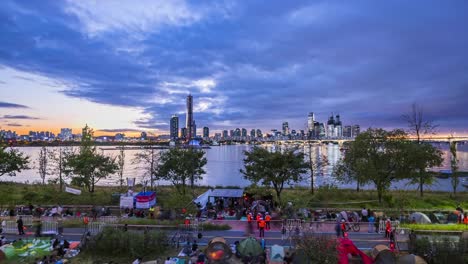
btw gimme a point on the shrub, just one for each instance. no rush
(116, 242)
(442, 250)
(317, 248)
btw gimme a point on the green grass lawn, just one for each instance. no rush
(167, 197)
(436, 227)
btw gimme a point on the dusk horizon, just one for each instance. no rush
(120, 67)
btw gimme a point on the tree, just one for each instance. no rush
(315, 163)
(179, 165)
(88, 166)
(379, 157)
(11, 160)
(418, 126)
(346, 172)
(43, 161)
(275, 168)
(454, 165)
(121, 164)
(58, 159)
(147, 160)
(423, 156)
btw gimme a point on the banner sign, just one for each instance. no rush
(130, 182)
(72, 190)
(126, 202)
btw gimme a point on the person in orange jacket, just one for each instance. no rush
(249, 223)
(259, 217)
(267, 220)
(261, 225)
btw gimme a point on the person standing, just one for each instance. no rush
(388, 228)
(364, 214)
(267, 221)
(261, 226)
(371, 224)
(20, 226)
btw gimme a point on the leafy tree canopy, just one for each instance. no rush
(275, 168)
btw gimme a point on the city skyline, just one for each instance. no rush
(67, 64)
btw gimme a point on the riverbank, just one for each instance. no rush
(324, 197)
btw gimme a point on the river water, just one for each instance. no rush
(225, 162)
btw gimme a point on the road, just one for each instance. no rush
(363, 240)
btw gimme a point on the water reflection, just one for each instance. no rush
(225, 162)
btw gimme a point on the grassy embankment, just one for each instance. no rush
(167, 197)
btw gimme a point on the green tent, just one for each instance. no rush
(249, 247)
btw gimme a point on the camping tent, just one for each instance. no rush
(420, 218)
(411, 259)
(277, 254)
(144, 200)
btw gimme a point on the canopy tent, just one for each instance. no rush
(227, 193)
(420, 218)
(144, 200)
(202, 199)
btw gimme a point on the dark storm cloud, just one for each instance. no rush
(19, 117)
(366, 60)
(11, 105)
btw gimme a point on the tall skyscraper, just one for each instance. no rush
(286, 129)
(66, 134)
(189, 117)
(331, 127)
(338, 127)
(310, 121)
(244, 132)
(183, 132)
(194, 129)
(174, 129)
(206, 132)
(225, 134)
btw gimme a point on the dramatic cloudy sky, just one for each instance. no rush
(128, 65)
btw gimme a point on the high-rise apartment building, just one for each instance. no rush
(356, 130)
(189, 117)
(174, 129)
(347, 132)
(206, 132)
(225, 134)
(252, 133)
(244, 133)
(66, 134)
(259, 133)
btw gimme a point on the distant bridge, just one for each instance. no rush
(340, 141)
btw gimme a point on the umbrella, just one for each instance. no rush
(249, 247)
(277, 253)
(420, 218)
(411, 259)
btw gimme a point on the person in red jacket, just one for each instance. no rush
(388, 228)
